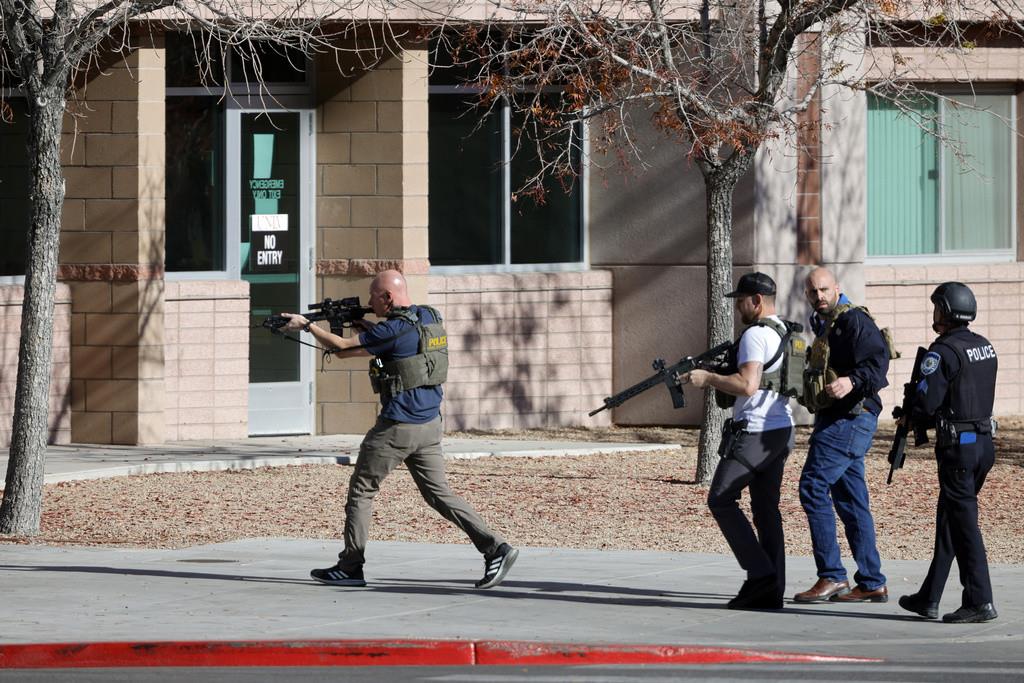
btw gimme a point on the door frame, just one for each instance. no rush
(265, 399)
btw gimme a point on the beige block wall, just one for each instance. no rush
(372, 165)
(112, 252)
(345, 404)
(526, 350)
(372, 214)
(207, 360)
(898, 297)
(11, 299)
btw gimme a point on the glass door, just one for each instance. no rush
(272, 196)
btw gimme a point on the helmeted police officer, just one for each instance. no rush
(956, 394)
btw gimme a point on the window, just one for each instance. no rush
(930, 198)
(195, 184)
(474, 221)
(14, 185)
(196, 218)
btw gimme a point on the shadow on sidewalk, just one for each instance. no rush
(520, 590)
(554, 590)
(85, 569)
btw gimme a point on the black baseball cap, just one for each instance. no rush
(753, 283)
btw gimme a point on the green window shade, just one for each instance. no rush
(977, 191)
(903, 179)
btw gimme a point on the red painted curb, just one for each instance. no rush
(238, 653)
(377, 653)
(498, 653)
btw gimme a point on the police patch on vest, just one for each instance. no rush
(930, 363)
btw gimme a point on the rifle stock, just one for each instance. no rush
(897, 452)
(667, 374)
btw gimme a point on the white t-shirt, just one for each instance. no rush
(765, 410)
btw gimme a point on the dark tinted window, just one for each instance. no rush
(465, 185)
(195, 187)
(14, 186)
(469, 218)
(267, 64)
(546, 229)
(192, 63)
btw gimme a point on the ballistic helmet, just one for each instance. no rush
(956, 302)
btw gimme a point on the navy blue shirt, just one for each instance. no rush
(394, 339)
(858, 350)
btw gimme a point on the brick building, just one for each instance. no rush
(189, 217)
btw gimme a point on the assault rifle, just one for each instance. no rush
(897, 454)
(713, 359)
(339, 313)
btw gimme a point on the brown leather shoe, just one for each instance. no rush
(823, 590)
(861, 594)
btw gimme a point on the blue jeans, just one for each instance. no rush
(834, 475)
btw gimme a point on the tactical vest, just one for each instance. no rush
(429, 367)
(818, 373)
(787, 379)
(972, 392)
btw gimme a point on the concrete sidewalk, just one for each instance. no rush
(85, 461)
(260, 589)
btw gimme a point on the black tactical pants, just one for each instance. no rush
(756, 460)
(962, 472)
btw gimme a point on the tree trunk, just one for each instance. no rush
(719, 186)
(21, 510)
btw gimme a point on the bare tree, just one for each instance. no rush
(718, 77)
(48, 48)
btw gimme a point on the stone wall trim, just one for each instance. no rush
(369, 267)
(108, 273)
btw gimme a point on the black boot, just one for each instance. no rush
(914, 603)
(971, 615)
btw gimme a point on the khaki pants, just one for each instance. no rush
(385, 446)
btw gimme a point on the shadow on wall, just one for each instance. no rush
(518, 374)
(648, 210)
(10, 350)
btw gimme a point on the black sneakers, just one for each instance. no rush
(971, 615)
(913, 603)
(760, 593)
(497, 565)
(336, 576)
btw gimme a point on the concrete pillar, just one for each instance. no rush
(371, 208)
(112, 252)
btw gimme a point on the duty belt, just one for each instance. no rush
(983, 426)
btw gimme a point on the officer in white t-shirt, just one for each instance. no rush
(755, 444)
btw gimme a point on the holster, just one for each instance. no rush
(732, 430)
(945, 433)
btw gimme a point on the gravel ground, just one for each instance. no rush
(637, 500)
